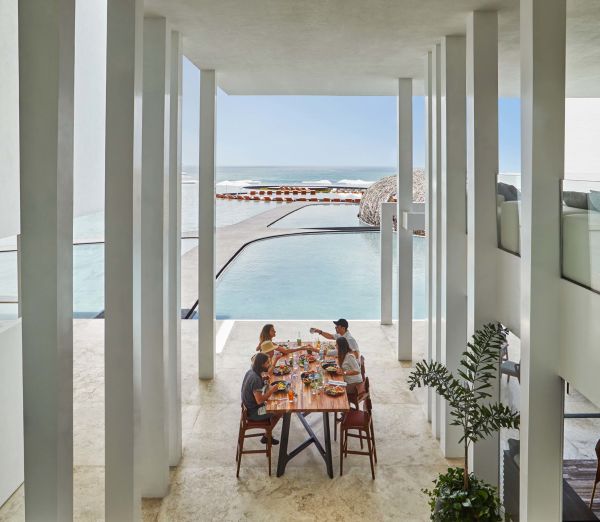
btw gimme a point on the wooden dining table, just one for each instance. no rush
(306, 403)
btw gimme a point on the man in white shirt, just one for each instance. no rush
(341, 330)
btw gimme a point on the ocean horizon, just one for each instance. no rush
(239, 176)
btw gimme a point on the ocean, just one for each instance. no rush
(229, 179)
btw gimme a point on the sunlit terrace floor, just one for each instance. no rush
(204, 486)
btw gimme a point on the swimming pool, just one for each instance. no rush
(312, 276)
(321, 216)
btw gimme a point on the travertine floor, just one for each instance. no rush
(204, 486)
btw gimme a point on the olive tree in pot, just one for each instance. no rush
(460, 495)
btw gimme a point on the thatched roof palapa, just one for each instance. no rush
(385, 190)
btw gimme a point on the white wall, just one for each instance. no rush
(582, 138)
(11, 409)
(90, 106)
(9, 120)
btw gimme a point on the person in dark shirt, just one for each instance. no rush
(255, 393)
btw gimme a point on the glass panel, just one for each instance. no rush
(510, 391)
(88, 280)
(508, 205)
(9, 286)
(580, 219)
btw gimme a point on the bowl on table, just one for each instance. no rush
(284, 369)
(282, 386)
(308, 377)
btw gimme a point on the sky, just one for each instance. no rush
(319, 130)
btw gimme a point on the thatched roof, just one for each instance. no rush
(385, 190)
(379, 192)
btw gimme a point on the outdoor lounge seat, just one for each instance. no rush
(511, 369)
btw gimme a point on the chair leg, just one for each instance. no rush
(373, 437)
(361, 439)
(269, 435)
(593, 493)
(371, 457)
(341, 451)
(241, 449)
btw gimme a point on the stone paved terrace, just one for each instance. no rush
(204, 486)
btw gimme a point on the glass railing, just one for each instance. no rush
(9, 306)
(580, 232)
(508, 206)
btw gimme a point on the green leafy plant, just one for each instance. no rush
(471, 408)
(450, 502)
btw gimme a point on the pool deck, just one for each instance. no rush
(231, 239)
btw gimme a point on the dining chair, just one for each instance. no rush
(355, 399)
(597, 479)
(247, 424)
(361, 421)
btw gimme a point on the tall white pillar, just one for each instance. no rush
(454, 223)
(482, 167)
(46, 67)
(386, 239)
(542, 156)
(154, 462)
(405, 235)
(436, 225)
(428, 81)
(174, 248)
(122, 283)
(206, 227)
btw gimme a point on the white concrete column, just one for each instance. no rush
(386, 240)
(482, 167)
(542, 156)
(154, 462)
(454, 223)
(405, 235)
(174, 248)
(46, 72)
(206, 227)
(122, 283)
(428, 81)
(436, 225)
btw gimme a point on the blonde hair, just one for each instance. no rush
(265, 335)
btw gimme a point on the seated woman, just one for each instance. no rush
(349, 366)
(266, 344)
(255, 392)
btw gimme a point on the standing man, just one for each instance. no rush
(341, 330)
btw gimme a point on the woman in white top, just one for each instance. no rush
(349, 366)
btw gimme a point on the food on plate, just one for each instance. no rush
(308, 377)
(331, 389)
(282, 370)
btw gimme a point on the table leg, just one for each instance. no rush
(327, 435)
(283, 444)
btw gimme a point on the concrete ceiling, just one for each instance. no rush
(356, 47)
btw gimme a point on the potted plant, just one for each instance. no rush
(458, 495)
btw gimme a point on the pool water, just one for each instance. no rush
(312, 277)
(321, 216)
